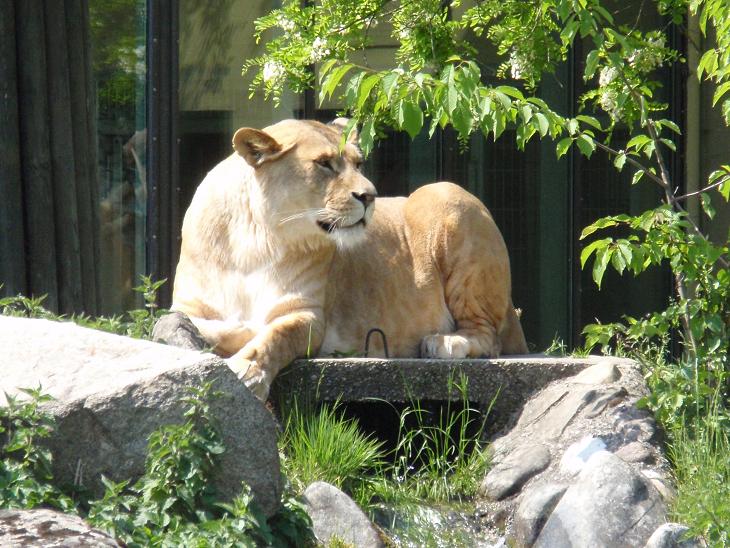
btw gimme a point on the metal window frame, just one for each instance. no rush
(163, 191)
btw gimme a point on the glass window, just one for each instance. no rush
(119, 72)
(215, 39)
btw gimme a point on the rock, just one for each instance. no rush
(603, 372)
(44, 528)
(554, 408)
(112, 392)
(334, 514)
(509, 474)
(578, 454)
(635, 452)
(533, 512)
(669, 535)
(176, 329)
(609, 505)
(661, 483)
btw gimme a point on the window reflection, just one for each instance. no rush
(119, 70)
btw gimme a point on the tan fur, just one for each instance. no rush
(266, 283)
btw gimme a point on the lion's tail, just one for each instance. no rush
(512, 337)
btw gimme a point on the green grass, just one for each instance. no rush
(439, 457)
(700, 454)
(324, 446)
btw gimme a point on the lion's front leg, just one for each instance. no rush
(295, 335)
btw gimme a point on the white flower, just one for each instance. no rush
(519, 64)
(319, 50)
(273, 71)
(609, 104)
(649, 57)
(607, 75)
(285, 24)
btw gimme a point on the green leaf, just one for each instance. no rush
(707, 205)
(503, 99)
(543, 124)
(365, 88)
(411, 117)
(331, 80)
(511, 91)
(452, 94)
(671, 125)
(462, 121)
(724, 189)
(563, 146)
(591, 64)
(637, 177)
(638, 142)
(721, 90)
(619, 161)
(603, 257)
(388, 83)
(573, 126)
(589, 120)
(585, 144)
(526, 113)
(618, 261)
(591, 248)
(367, 136)
(599, 224)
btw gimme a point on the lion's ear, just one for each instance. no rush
(346, 124)
(257, 147)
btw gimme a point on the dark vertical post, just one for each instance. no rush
(162, 207)
(62, 160)
(35, 152)
(12, 255)
(78, 56)
(554, 226)
(91, 152)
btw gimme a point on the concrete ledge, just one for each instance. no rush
(513, 379)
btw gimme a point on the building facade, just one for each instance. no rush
(114, 110)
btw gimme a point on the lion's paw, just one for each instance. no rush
(444, 346)
(256, 380)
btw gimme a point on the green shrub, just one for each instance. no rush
(25, 465)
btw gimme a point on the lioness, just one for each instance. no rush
(287, 252)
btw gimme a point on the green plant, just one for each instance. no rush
(442, 458)
(27, 307)
(25, 464)
(324, 446)
(137, 323)
(700, 451)
(173, 503)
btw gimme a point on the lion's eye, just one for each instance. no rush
(325, 163)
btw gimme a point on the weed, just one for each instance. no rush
(25, 465)
(174, 504)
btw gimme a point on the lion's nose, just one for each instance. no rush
(366, 198)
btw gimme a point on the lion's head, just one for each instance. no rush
(312, 185)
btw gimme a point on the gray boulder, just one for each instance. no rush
(111, 392)
(176, 329)
(671, 535)
(335, 515)
(610, 504)
(43, 528)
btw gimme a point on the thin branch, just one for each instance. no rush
(632, 161)
(700, 191)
